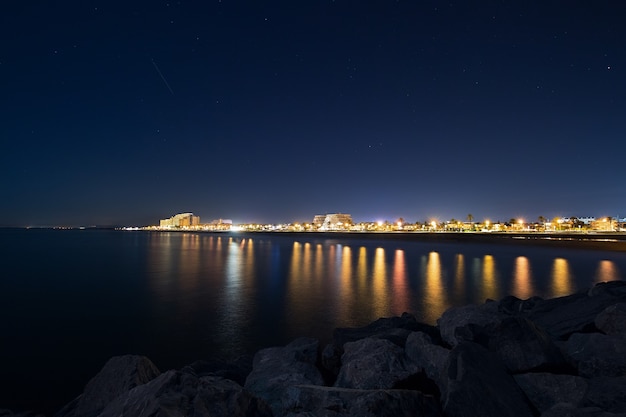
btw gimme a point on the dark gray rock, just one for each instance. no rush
(373, 364)
(181, 394)
(563, 316)
(607, 393)
(612, 320)
(597, 354)
(236, 370)
(118, 376)
(427, 356)
(395, 329)
(477, 384)
(544, 390)
(568, 410)
(522, 346)
(458, 317)
(276, 369)
(319, 401)
(512, 305)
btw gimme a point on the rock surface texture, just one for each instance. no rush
(528, 358)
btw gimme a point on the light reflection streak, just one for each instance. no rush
(361, 270)
(489, 284)
(319, 260)
(400, 290)
(607, 271)
(522, 278)
(434, 293)
(346, 296)
(459, 277)
(561, 278)
(379, 283)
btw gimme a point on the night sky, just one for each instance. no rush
(127, 112)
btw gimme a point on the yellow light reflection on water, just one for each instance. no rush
(400, 293)
(319, 260)
(306, 262)
(490, 278)
(607, 271)
(379, 283)
(295, 266)
(561, 278)
(361, 269)
(435, 301)
(522, 278)
(346, 296)
(248, 269)
(459, 277)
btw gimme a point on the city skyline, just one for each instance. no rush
(118, 114)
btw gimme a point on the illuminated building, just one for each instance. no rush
(334, 221)
(180, 220)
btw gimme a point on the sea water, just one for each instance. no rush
(71, 299)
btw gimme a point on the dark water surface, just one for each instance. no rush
(70, 299)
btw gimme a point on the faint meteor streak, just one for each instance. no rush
(156, 67)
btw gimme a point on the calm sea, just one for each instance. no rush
(70, 299)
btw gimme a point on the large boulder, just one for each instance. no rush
(562, 316)
(373, 364)
(612, 320)
(316, 401)
(470, 315)
(181, 394)
(119, 375)
(607, 393)
(276, 369)
(394, 329)
(427, 356)
(236, 370)
(477, 384)
(597, 354)
(545, 390)
(522, 346)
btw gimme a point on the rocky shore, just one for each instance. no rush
(561, 357)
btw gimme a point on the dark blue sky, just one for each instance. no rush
(126, 112)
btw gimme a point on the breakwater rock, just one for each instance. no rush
(529, 358)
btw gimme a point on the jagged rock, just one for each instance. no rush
(522, 346)
(563, 316)
(373, 364)
(456, 317)
(236, 370)
(276, 369)
(544, 390)
(512, 305)
(597, 354)
(331, 360)
(181, 394)
(427, 356)
(309, 400)
(607, 393)
(568, 410)
(477, 384)
(612, 320)
(118, 376)
(395, 329)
